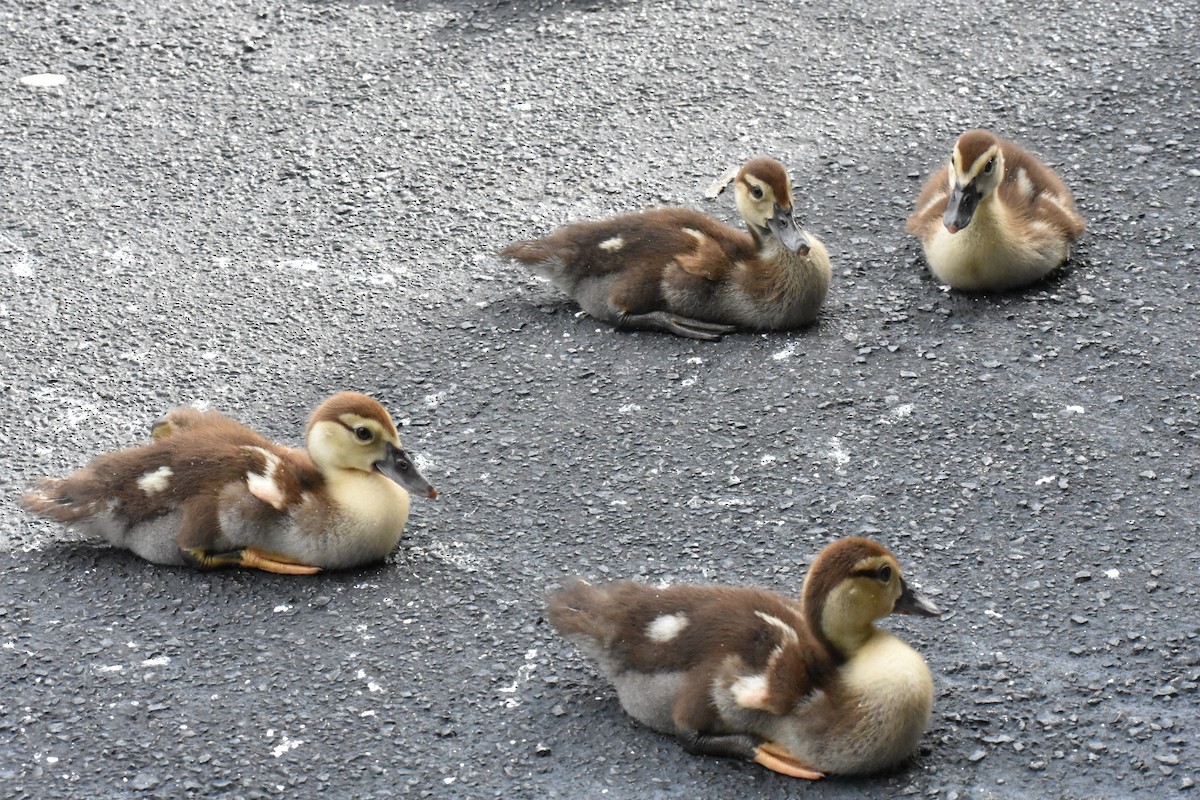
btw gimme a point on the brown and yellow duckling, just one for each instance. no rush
(210, 492)
(994, 217)
(683, 272)
(806, 689)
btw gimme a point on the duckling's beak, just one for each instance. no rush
(911, 601)
(160, 429)
(784, 226)
(399, 467)
(961, 207)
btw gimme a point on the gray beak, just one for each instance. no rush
(400, 468)
(783, 225)
(961, 207)
(911, 601)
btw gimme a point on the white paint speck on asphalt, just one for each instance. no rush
(524, 673)
(285, 746)
(785, 353)
(44, 80)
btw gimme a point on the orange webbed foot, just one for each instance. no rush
(778, 759)
(250, 558)
(274, 562)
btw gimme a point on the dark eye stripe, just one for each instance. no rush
(875, 574)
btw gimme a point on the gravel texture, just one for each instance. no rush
(257, 204)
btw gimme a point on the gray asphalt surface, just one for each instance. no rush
(255, 205)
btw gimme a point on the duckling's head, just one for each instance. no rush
(351, 431)
(852, 583)
(763, 192)
(976, 169)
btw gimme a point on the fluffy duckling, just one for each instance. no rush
(188, 418)
(680, 271)
(210, 492)
(805, 689)
(994, 217)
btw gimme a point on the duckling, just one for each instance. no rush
(189, 418)
(805, 689)
(994, 217)
(210, 492)
(682, 272)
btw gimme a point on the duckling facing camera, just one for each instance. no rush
(994, 217)
(679, 271)
(210, 492)
(806, 689)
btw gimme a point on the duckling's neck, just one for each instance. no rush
(849, 641)
(375, 501)
(755, 233)
(842, 623)
(989, 218)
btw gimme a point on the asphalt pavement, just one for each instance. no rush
(253, 205)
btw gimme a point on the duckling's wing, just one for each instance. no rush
(644, 241)
(715, 248)
(649, 629)
(931, 203)
(792, 673)
(1034, 190)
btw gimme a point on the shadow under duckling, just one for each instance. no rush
(210, 492)
(994, 217)
(680, 271)
(806, 689)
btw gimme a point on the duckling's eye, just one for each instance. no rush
(364, 433)
(885, 573)
(756, 192)
(987, 168)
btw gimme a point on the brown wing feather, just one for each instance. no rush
(1045, 183)
(720, 619)
(201, 461)
(649, 240)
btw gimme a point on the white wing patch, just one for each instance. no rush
(750, 691)
(1060, 201)
(666, 627)
(154, 482)
(1023, 182)
(925, 209)
(789, 633)
(695, 234)
(612, 245)
(264, 486)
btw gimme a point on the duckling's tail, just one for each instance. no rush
(531, 251)
(546, 256)
(53, 498)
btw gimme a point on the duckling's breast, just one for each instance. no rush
(870, 720)
(367, 515)
(997, 251)
(356, 519)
